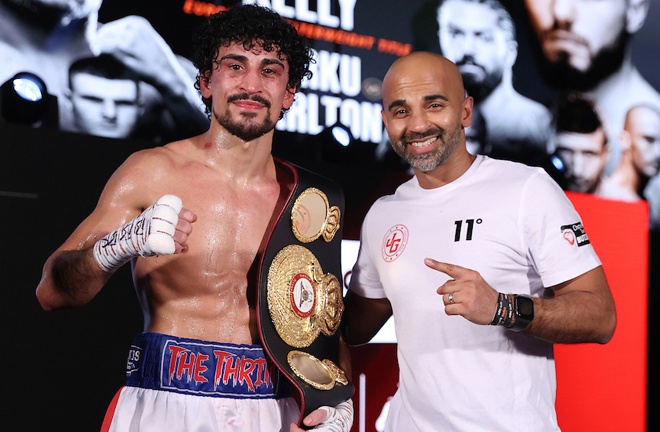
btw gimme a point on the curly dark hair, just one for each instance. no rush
(251, 25)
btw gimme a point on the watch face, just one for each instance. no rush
(525, 307)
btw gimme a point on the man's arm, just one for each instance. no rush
(363, 317)
(125, 223)
(582, 309)
(74, 277)
(70, 278)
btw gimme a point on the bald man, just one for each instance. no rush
(483, 263)
(640, 160)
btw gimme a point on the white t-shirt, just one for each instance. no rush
(516, 227)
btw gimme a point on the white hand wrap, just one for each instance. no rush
(339, 418)
(149, 234)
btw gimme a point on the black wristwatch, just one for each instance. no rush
(523, 308)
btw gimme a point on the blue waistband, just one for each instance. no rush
(189, 366)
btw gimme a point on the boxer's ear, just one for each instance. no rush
(636, 14)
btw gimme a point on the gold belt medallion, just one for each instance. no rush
(322, 375)
(302, 300)
(312, 216)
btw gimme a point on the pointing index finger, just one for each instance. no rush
(451, 270)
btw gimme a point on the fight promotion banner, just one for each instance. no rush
(524, 62)
(537, 70)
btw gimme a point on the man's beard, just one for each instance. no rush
(246, 130)
(582, 184)
(561, 75)
(478, 88)
(428, 161)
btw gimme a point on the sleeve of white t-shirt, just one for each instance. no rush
(365, 281)
(557, 240)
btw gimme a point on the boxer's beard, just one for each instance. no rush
(246, 129)
(561, 75)
(479, 88)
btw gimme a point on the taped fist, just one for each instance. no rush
(329, 419)
(150, 234)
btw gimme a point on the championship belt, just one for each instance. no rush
(300, 295)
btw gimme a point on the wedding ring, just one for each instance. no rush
(451, 298)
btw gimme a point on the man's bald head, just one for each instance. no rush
(423, 67)
(646, 112)
(642, 132)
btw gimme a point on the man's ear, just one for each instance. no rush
(67, 100)
(625, 140)
(511, 53)
(636, 14)
(205, 84)
(289, 97)
(468, 105)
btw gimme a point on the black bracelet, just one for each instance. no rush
(504, 313)
(497, 317)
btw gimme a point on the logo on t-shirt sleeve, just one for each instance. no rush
(575, 233)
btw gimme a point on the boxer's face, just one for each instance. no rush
(579, 36)
(105, 107)
(248, 88)
(585, 156)
(643, 126)
(470, 36)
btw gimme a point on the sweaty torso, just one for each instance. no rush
(208, 292)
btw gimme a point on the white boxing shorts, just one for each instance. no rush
(179, 384)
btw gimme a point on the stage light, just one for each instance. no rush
(558, 163)
(341, 134)
(555, 166)
(24, 99)
(335, 143)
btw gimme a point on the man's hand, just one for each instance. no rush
(328, 419)
(466, 293)
(162, 229)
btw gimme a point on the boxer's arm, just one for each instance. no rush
(70, 278)
(78, 270)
